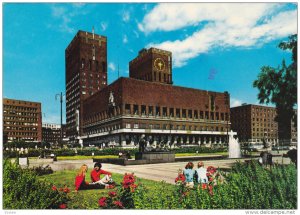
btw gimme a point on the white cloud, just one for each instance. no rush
(235, 102)
(57, 11)
(224, 25)
(65, 15)
(125, 39)
(103, 26)
(112, 66)
(126, 16)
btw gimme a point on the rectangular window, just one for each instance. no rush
(127, 108)
(143, 107)
(136, 125)
(164, 111)
(171, 112)
(150, 110)
(157, 111)
(177, 112)
(135, 109)
(128, 125)
(183, 113)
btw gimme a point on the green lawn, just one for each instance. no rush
(199, 154)
(88, 199)
(84, 157)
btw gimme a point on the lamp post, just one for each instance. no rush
(60, 96)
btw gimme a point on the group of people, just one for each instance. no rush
(189, 175)
(101, 179)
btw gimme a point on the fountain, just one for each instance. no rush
(234, 146)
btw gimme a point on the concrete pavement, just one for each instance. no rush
(157, 172)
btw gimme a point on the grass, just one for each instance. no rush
(88, 199)
(199, 154)
(85, 157)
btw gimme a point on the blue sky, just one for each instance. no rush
(217, 47)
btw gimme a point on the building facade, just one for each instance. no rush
(86, 73)
(22, 121)
(254, 123)
(51, 133)
(148, 103)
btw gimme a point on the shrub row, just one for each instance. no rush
(107, 151)
(23, 190)
(247, 187)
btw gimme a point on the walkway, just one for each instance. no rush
(157, 172)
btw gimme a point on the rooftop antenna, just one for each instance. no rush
(93, 31)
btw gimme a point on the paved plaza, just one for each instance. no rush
(157, 172)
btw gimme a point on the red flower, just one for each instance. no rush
(54, 187)
(211, 169)
(204, 186)
(132, 187)
(102, 202)
(66, 190)
(118, 204)
(63, 206)
(112, 194)
(111, 186)
(210, 179)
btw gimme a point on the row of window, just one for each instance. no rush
(21, 123)
(33, 134)
(13, 118)
(20, 128)
(158, 127)
(12, 108)
(22, 138)
(173, 112)
(92, 63)
(12, 112)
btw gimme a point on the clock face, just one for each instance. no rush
(159, 64)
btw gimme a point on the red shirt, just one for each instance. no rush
(78, 181)
(95, 176)
(181, 177)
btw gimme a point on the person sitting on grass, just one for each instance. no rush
(106, 180)
(180, 178)
(201, 174)
(81, 184)
(189, 174)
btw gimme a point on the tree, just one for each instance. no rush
(279, 86)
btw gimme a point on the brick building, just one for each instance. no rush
(51, 133)
(22, 120)
(147, 103)
(253, 123)
(86, 73)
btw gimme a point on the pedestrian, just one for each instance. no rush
(96, 173)
(201, 174)
(189, 174)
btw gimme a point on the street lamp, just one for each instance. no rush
(60, 96)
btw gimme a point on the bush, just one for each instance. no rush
(248, 186)
(40, 170)
(23, 190)
(199, 149)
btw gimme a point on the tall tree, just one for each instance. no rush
(279, 86)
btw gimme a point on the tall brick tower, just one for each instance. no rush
(153, 65)
(86, 73)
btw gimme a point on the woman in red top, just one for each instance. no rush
(81, 184)
(96, 176)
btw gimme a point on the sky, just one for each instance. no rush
(215, 46)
